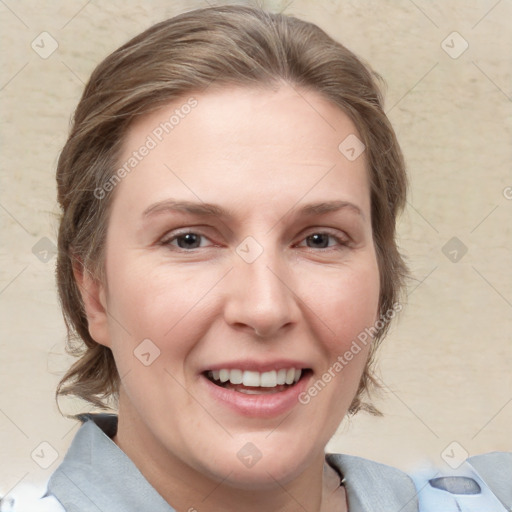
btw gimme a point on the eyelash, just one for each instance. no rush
(168, 240)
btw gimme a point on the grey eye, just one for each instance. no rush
(319, 240)
(189, 241)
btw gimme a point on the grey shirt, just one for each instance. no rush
(96, 475)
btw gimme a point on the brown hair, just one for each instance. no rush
(222, 45)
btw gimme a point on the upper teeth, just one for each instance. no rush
(266, 379)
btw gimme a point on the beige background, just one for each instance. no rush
(447, 362)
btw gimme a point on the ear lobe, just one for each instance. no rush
(94, 299)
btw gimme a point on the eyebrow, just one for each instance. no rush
(213, 210)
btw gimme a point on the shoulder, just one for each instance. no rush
(482, 480)
(494, 464)
(29, 500)
(47, 504)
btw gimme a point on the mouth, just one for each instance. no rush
(257, 383)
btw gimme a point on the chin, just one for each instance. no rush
(254, 470)
(264, 478)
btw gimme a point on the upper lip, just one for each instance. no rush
(258, 366)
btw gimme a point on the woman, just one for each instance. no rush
(227, 258)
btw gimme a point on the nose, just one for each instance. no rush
(260, 296)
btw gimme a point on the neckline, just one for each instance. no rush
(331, 463)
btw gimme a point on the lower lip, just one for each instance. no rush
(266, 405)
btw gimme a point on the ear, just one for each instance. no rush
(94, 298)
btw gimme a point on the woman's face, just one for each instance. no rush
(239, 246)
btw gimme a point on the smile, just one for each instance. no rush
(253, 382)
(251, 393)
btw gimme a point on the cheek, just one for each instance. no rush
(346, 301)
(345, 308)
(152, 301)
(347, 305)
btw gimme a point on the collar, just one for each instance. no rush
(97, 476)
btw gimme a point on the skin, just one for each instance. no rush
(261, 154)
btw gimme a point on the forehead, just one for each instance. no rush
(276, 144)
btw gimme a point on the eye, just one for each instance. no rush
(320, 240)
(189, 240)
(185, 240)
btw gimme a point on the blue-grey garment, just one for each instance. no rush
(465, 488)
(97, 476)
(496, 470)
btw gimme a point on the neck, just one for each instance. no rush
(188, 490)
